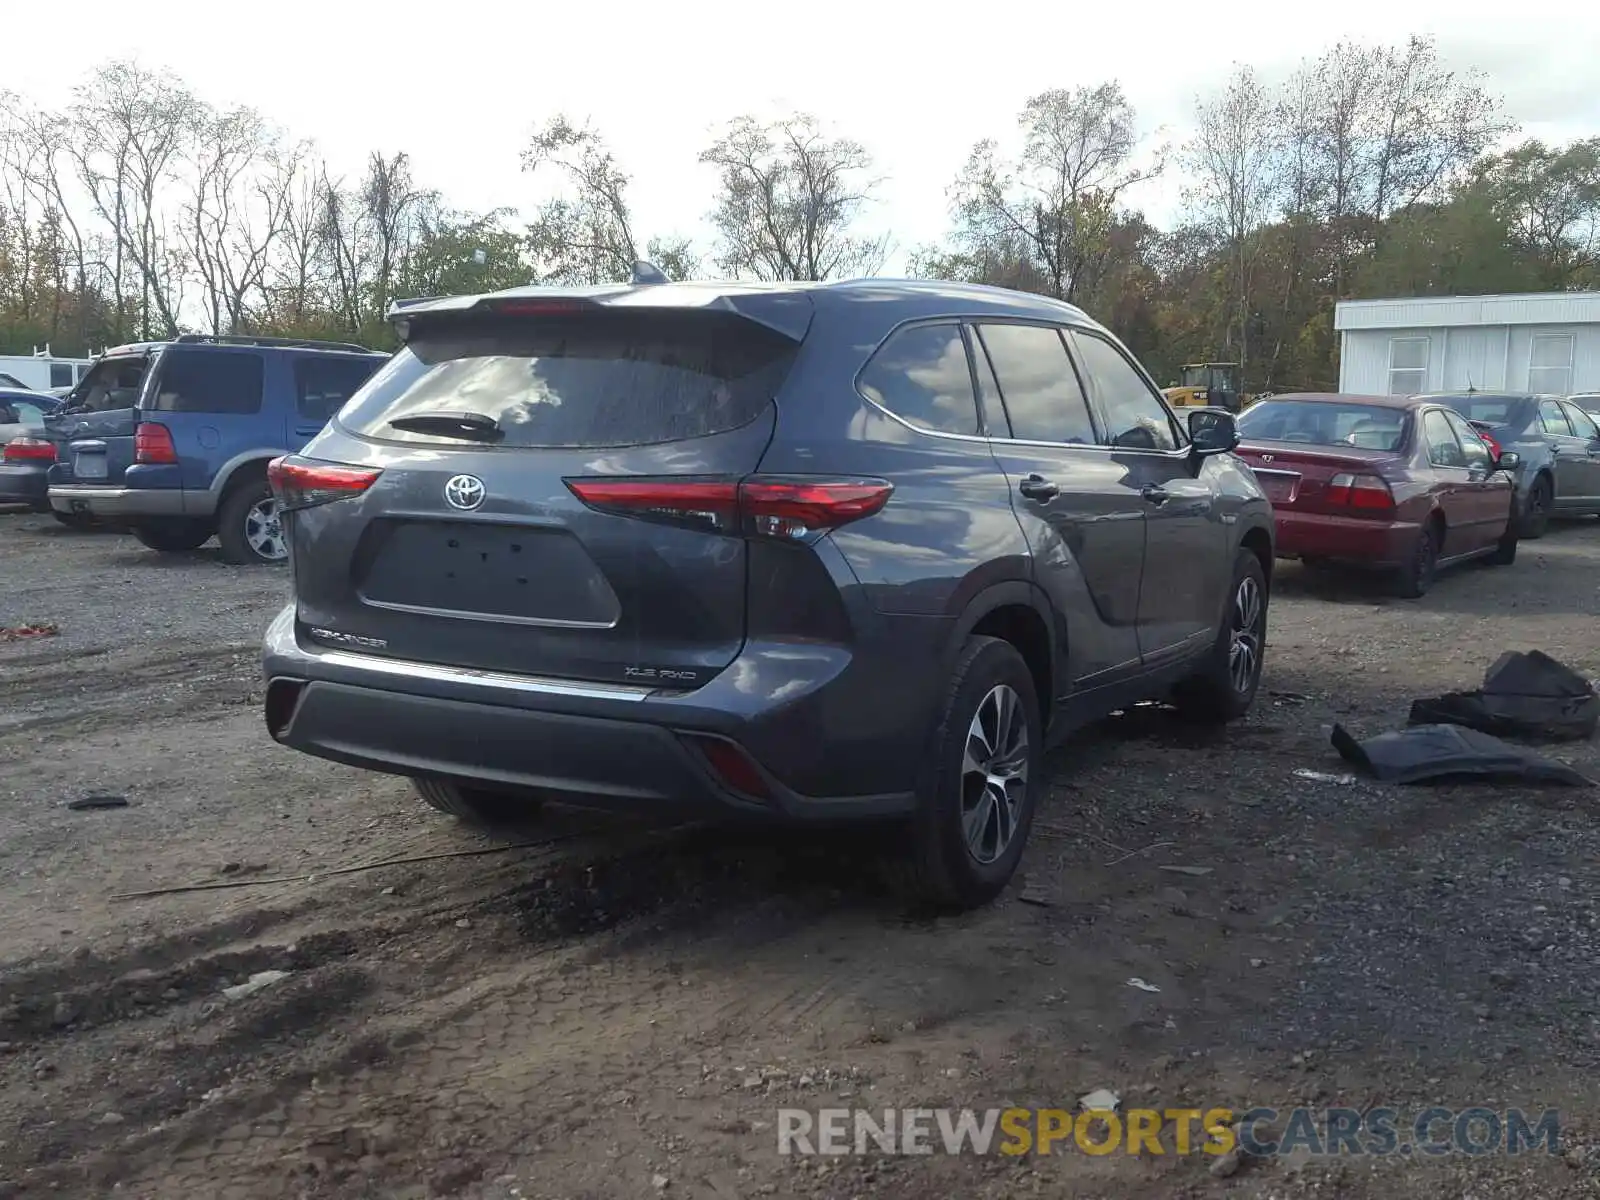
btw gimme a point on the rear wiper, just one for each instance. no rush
(471, 427)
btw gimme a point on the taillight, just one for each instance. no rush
(27, 449)
(299, 483)
(1368, 493)
(790, 508)
(152, 443)
(1494, 446)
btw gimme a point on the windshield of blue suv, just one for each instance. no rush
(1324, 423)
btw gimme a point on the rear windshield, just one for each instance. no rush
(1491, 410)
(608, 379)
(112, 383)
(1324, 423)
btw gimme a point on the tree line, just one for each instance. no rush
(140, 210)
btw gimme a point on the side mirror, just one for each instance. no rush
(1212, 432)
(1509, 460)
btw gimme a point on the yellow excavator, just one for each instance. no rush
(1209, 385)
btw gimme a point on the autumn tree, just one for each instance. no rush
(789, 201)
(585, 233)
(1058, 203)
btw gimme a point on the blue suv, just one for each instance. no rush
(171, 440)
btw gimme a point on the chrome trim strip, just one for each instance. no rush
(1272, 471)
(527, 684)
(493, 618)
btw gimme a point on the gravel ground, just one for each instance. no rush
(615, 1010)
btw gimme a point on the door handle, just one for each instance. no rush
(1037, 487)
(1154, 493)
(307, 430)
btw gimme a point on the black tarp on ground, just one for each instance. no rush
(1435, 752)
(1523, 695)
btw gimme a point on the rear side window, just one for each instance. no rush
(60, 375)
(920, 375)
(209, 381)
(322, 385)
(610, 379)
(1037, 384)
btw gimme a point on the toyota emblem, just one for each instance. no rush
(465, 492)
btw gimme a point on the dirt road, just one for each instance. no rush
(620, 1011)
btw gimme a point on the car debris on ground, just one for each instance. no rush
(1523, 695)
(1425, 753)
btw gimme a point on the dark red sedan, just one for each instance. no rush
(1394, 482)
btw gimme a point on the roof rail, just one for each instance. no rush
(229, 339)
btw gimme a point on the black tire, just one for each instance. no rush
(1412, 581)
(175, 536)
(477, 806)
(1505, 551)
(73, 520)
(992, 688)
(1215, 694)
(1536, 511)
(241, 526)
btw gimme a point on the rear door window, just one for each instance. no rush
(111, 384)
(608, 379)
(323, 384)
(1038, 386)
(921, 375)
(209, 381)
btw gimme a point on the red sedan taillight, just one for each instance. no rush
(1494, 446)
(1368, 495)
(27, 449)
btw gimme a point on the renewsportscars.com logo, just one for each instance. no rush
(1258, 1132)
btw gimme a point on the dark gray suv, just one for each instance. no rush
(803, 551)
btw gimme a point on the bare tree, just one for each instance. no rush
(1232, 160)
(585, 235)
(236, 209)
(129, 131)
(789, 197)
(1062, 196)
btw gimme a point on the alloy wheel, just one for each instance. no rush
(263, 531)
(994, 774)
(1247, 632)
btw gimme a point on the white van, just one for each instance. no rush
(42, 371)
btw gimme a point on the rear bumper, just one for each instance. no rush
(21, 483)
(117, 503)
(593, 746)
(1353, 539)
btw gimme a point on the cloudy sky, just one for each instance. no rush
(460, 85)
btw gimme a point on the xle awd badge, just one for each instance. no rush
(465, 492)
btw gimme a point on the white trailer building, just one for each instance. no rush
(1546, 342)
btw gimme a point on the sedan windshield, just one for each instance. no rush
(1324, 423)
